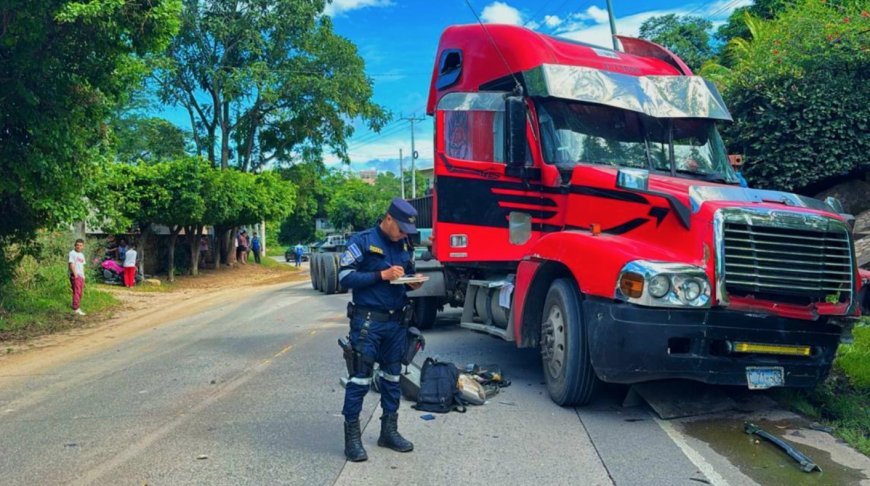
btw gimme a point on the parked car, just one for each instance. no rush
(290, 254)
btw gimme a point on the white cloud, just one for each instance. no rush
(593, 13)
(338, 7)
(552, 21)
(531, 24)
(386, 147)
(598, 33)
(501, 13)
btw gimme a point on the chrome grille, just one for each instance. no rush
(813, 263)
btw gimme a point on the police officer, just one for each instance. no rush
(373, 259)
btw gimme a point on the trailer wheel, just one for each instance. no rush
(568, 370)
(425, 312)
(330, 274)
(312, 271)
(321, 272)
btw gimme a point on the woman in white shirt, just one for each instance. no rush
(130, 266)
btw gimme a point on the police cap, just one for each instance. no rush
(404, 214)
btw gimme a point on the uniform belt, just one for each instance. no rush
(377, 315)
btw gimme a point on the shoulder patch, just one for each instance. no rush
(374, 249)
(347, 259)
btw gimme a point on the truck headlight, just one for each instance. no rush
(659, 286)
(664, 284)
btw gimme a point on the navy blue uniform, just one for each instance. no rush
(368, 253)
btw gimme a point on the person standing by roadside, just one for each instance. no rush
(203, 250)
(122, 249)
(255, 247)
(242, 250)
(298, 251)
(130, 266)
(77, 275)
(374, 258)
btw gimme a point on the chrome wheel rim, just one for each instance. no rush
(553, 341)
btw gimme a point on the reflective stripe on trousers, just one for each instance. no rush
(385, 343)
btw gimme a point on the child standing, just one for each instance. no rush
(130, 266)
(77, 275)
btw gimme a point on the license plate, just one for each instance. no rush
(763, 377)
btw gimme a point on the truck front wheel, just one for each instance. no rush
(564, 346)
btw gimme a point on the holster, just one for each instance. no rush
(349, 356)
(414, 343)
(408, 315)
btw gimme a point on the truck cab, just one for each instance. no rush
(584, 204)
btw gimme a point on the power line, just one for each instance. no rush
(722, 9)
(375, 137)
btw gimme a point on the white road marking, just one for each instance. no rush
(697, 459)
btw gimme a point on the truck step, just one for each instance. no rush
(482, 310)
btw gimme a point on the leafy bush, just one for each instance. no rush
(798, 93)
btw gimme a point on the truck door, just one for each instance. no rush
(486, 212)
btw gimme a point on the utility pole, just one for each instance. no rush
(413, 155)
(612, 25)
(402, 173)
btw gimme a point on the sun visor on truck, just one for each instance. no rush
(656, 96)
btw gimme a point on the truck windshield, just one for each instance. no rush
(575, 133)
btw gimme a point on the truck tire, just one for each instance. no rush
(330, 274)
(568, 370)
(321, 272)
(312, 270)
(425, 312)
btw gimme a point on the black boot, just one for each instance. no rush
(390, 436)
(353, 448)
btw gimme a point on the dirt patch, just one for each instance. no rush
(139, 310)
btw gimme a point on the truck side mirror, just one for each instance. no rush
(515, 131)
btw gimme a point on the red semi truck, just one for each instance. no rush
(584, 204)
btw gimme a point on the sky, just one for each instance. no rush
(398, 40)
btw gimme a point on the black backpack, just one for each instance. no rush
(438, 391)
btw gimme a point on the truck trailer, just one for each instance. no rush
(583, 204)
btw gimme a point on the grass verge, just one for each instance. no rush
(39, 299)
(275, 250)
(843, 401)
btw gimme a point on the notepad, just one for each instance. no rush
(409, 279)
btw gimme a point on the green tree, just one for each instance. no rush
(266, 80)
(736, 25)
(686, 36)
(236, 198)
(421, 185)
(63, 64)
(314, 185)
(798, 93)
(148, 139)
(356, 205)
(180, 203)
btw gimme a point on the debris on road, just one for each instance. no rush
(427, 416)
(807, 465)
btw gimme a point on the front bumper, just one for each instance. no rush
(631, 344)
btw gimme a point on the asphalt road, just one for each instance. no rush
(247, 393)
